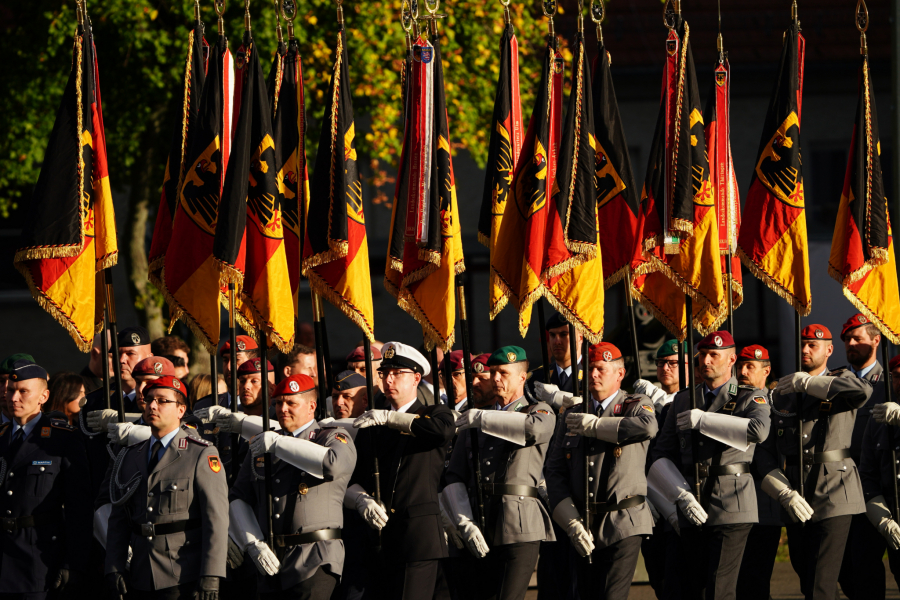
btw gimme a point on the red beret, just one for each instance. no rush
(244, 343)
(456, 360)
(253, 366)
(717, 340)
(168, 382)
(857, 320)
(815, 332)
(604, 351)
(295, 384)
(754, 352)
(359, 354)
(895, 362)
(153, 366)
(479, 363)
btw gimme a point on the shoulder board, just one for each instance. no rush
(4, 427)
(60, 424)
(328, 427)
(186, 426)
(746, 387)
(837, 372)
(630, 399)
(198, 441)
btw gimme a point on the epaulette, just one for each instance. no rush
(837, 372)
(632, 398)
(197, 440)
(188, 426)
(746, 387)
(4, 427)
(60, 424)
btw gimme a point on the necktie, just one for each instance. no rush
(710, 398)
(563, 379)
(154, 456)
(15, 445)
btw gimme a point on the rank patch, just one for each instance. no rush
(617, 410)
(214, 464)
(182, 443)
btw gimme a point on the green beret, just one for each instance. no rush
(6, 367)
(507, 355)
(669, 348)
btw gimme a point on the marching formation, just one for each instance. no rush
(407, 475)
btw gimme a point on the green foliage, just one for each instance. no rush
(141, 48)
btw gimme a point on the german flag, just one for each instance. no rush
(70, 231)
(335, 250)
(423, 264)
(772, 241)
(862, 249)
(290, 161)
(618, 197)
(194, 77)
(503, 154)
(575, 265)
(522, 235)
(249, 240)
(723, 180)
(191, 272)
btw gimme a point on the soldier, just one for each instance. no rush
(174, 349)
(753, 368)
(513, 440)
(46, 515)
(457, 378)
(613, 436)
(824, 403)
(147, 370)
(246, 349)
(482, 387)
(561, 376)
(301, 360)
(666, 374)
(134, 346)
(170, 508)
(410, 444)
(356, 361)
(729, 422)
(250, 382)
(862, 570)
(349, 397)
(309, 482)
(6, 369)
(879, 451)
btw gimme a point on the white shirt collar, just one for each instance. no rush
(28, 427)
(604, 404)
(460, 405)
(165, 440)
(405, 407)
(864, 371)
(297, 432)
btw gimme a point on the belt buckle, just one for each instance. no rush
(147, 529)
(704, 471)
(825, 406)
(9, 525)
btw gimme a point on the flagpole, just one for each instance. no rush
(267, 457)
(214, 375)
(682, 384)
(692, 390)
(798, 344)
(629, 303)
(435, 374)
(470, 401)
(370, 391)
(585, 400)
(729, 298)
(232, 358)
(320, 355)
(104, 348)
(542, 325)
(114, 334)
(887, 398)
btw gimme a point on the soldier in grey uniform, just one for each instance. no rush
(170, 506)
(512, 441)
(312, 466)
(825, 402)
(613, 436)
(725, 431)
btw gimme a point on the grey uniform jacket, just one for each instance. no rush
(302, 503)
(188, 483)
(769, 509)
(875, 378)
(518, 518)
(620, 478)
(880, 443)
(831, 488)
(733, 497)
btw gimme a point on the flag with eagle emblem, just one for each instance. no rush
(862, 249)
(426, 255)
(335, 250)
(772, 241)
(70, 228)
(249, 241)
(503, 152)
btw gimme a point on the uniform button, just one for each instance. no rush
(590, 478)
(174, 487)
(42, 469)
(149, 509)
(488, 462)
(277, 516)
(9, 493)
(275, 499)
(805, 436)
(878, 445)
(592, 463)
(392, 510)
(490, 448)
(780, 421)
(277, 481)
(187, 542)
(53, 538)
(150, 494)
(591, 494)
(521, 497)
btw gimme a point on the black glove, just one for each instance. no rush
(115, 584)
(209, 588)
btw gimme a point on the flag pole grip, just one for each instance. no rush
(267, 458)
(692, 390)
(232, 358)
(890, 428)
(114, 335)
(576, 388)
(798, 342)
(629, 303)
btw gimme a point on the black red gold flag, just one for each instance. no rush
(249, 239)
(194, 77)
(862, 249)
(70, 229)
(618, 197)
(772, 242)
(519, 267)
(335, 250)
(574, 266)
(503, 152)
(423, 264)
(191, 272)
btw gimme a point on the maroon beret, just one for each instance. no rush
(359, 354)
(479, 363)
(153, 366)
(815, 332)
(717, 340)
(456, 360)
(253, 366)
(857, 320)
(754, 352)
(244, 343)
(295, 384)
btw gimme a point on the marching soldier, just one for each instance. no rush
(512, 440)
(753, 369)
(246, 349)
(349, 396)
(457, 378)
(562, 377)
(729, 421)
(482, 386)
(170, 508)
(410, 443)
(46, 517)
(613, 437)
(824, 403)
(666, 374)
(309, 482)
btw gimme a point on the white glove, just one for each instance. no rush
(211, 413)
(691, 509)
(263, 443)
(305, 455)
(727, 429)
(663, 507)
(579, 423)
(246, 532)
(101, 523)
(569, 402)
(551, 394)
(235, 554)
(642, 386)
(473, 538)
(470, 419)
(456, 498)
(451, 532)
(233, 422)
(887, 412)
(792, 384)
(880, 516)
(777, 486)
(127, 434)
(265, 560)
(401, 421)
(97, 420)
(689, 419)
(371, 512)
(566, 516)
(371, 418)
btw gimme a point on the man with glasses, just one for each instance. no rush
(410, 441)
(666, 374)
(170, 508)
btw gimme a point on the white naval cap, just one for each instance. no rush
(400, 356)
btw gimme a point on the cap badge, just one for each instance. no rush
(511, 356)
(820, 334)
(157, 368)
(861, 319)
(478, 367)
(136, 339)
(607, 356)
(717, 341)
(256, 364)
(241, 346)
(757, 353)
(176, 384)
(389, 353)
(295, 387)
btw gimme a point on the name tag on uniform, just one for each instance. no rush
(42, 463)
